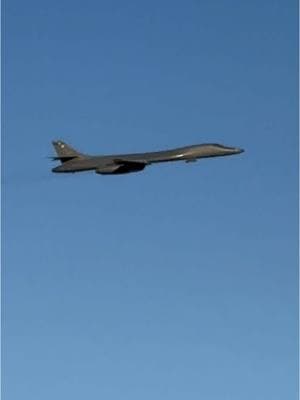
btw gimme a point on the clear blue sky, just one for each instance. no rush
(179, 282)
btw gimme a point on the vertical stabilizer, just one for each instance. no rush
(64, 151)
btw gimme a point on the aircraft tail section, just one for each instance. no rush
(64, 151)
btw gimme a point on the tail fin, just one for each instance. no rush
(64, 151)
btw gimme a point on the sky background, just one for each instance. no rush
(179, 282)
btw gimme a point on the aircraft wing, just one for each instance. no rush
(129, 163)
(121, 166)
(129, 166)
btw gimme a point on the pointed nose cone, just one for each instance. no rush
(227, 151)
(234, 150)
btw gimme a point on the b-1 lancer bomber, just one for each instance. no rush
(74, 161)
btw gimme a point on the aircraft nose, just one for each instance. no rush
(234, 150)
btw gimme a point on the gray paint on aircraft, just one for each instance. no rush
(74, 161)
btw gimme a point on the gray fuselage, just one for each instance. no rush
(104, 163)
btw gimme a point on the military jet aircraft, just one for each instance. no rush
(74, 161)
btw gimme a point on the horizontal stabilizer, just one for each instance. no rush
(63, 158)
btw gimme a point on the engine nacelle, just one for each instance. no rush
(125, 168)
(107, 169)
